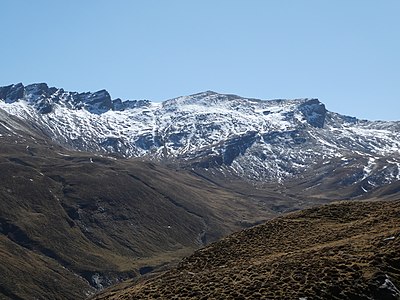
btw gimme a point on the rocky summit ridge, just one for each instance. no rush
(43, 98)
(225, 135)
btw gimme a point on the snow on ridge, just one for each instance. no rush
(369, 167)
(254, 138)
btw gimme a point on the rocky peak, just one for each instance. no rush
(119, 105)
(36, 91)
(43, 98)
(97, 102)
(314, 111)
(40, 95)
(12, 93)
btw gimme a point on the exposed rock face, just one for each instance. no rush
(314, 112)
(119, 105)
(12, 93)
(43, 98)
(98, 102)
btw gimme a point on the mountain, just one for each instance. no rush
(216, 134)
(345, 250)
(98, 190)
(72, 223)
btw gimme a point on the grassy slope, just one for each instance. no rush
(339, 251)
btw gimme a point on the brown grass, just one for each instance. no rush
(339, 251)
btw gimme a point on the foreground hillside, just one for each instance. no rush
(347, 250)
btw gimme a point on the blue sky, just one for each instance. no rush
(344, 52)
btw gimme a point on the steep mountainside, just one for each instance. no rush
(228, 135)
(72, 223)
(338, 251)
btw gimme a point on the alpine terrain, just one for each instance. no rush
(95, 191)
(230, 135)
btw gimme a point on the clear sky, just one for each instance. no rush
(344, 52)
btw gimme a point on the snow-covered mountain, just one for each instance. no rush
(224, 134)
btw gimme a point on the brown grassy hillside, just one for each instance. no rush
(347, 250)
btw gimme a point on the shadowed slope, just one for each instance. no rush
(72, 223)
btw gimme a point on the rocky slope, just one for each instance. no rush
(338, 251)
(229, 135)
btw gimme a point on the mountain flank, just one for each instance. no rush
(73, 222)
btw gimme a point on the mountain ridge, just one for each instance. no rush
(260, 140)
(36, 92)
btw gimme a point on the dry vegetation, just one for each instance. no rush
(346, 250)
